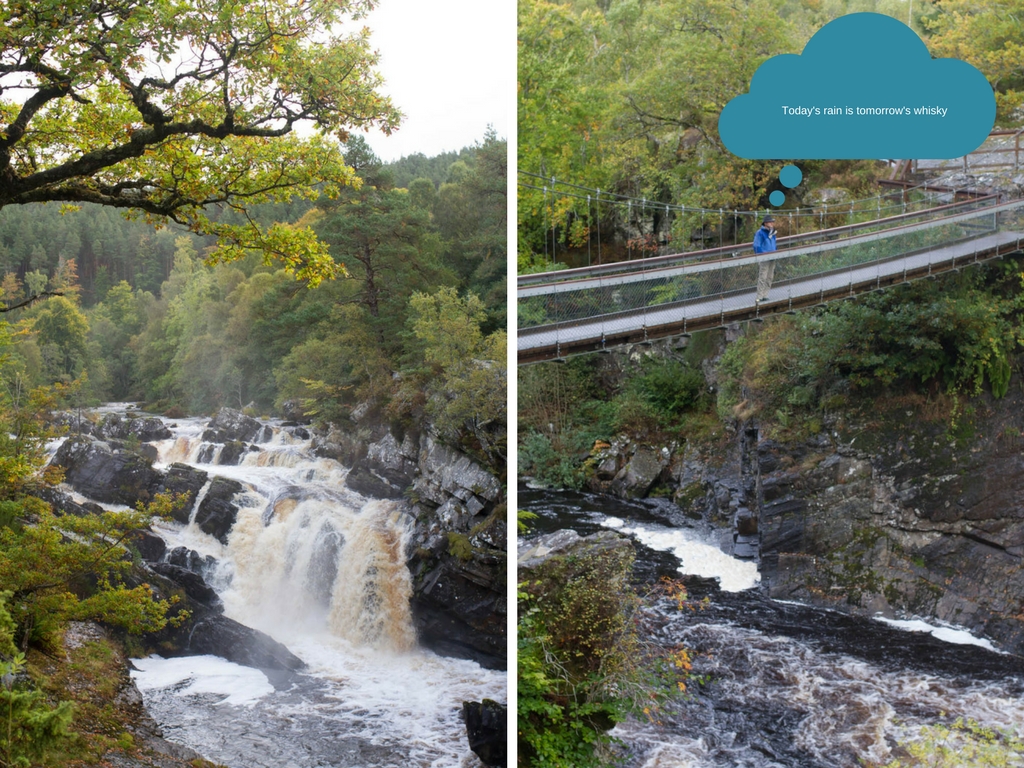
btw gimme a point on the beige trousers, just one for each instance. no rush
(765, 273)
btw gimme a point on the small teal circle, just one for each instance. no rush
(777, 198)
(790, 176)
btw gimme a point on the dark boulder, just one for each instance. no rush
(207, 452)
(190, 559)
(486, 727)
(459, 607)
(376, 483)
(141, 428)
(207, 631)
(232, 452)
(62, 504)
(108, 475)
(340, 445)
(73, 422)
(151, 547)
(216, 513)
(386, 471)
(195, 586)
(230, 425)
(227, 638)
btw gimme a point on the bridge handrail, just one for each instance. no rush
(655, 262)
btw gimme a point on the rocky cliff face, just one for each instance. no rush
(887, 515)
(889, 509)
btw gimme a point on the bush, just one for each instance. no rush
(583, 664)
(28, 725)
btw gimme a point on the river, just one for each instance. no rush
(322, 570)
(786, 685)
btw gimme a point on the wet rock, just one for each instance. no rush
(224, 637)
(191, 560)
(340, 445)
(105, 474)
(151, 547)
(207, 631)
(376, 484)
(216, 513)
(232, 453)
(230, 425)
(636, 479)
(195, 586)
(387, 455)
(567, 543)
(459, 608)
(445, 472)
(62, 504)
(140, 428)
(207, 453)
(385, 472)
(486, 726)
(73, 422)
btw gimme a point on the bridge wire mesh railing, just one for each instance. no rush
(732, 251)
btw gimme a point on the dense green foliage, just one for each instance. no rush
(953, 338)
(183, 110)
(28, 725)
(54, 569)
(954, 335)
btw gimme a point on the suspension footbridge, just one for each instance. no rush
(593, 308)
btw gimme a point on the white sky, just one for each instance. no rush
(448, 65)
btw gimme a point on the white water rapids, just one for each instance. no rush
(322, 570)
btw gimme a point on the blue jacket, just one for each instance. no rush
(764, 241)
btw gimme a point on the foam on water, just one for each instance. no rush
(194, 675)
(698, 557)
(941, 631)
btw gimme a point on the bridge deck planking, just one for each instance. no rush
(553, 341)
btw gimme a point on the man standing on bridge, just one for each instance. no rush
(764, 242)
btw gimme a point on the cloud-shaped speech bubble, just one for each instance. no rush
(864, 87)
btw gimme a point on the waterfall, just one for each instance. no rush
(319, 553)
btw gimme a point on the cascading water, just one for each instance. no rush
(787, 685)
(322, 570)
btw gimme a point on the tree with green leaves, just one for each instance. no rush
(62, 330)
(991, 37)
(470, 212)
(468, 394)
(173, 108)
(381, 235)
